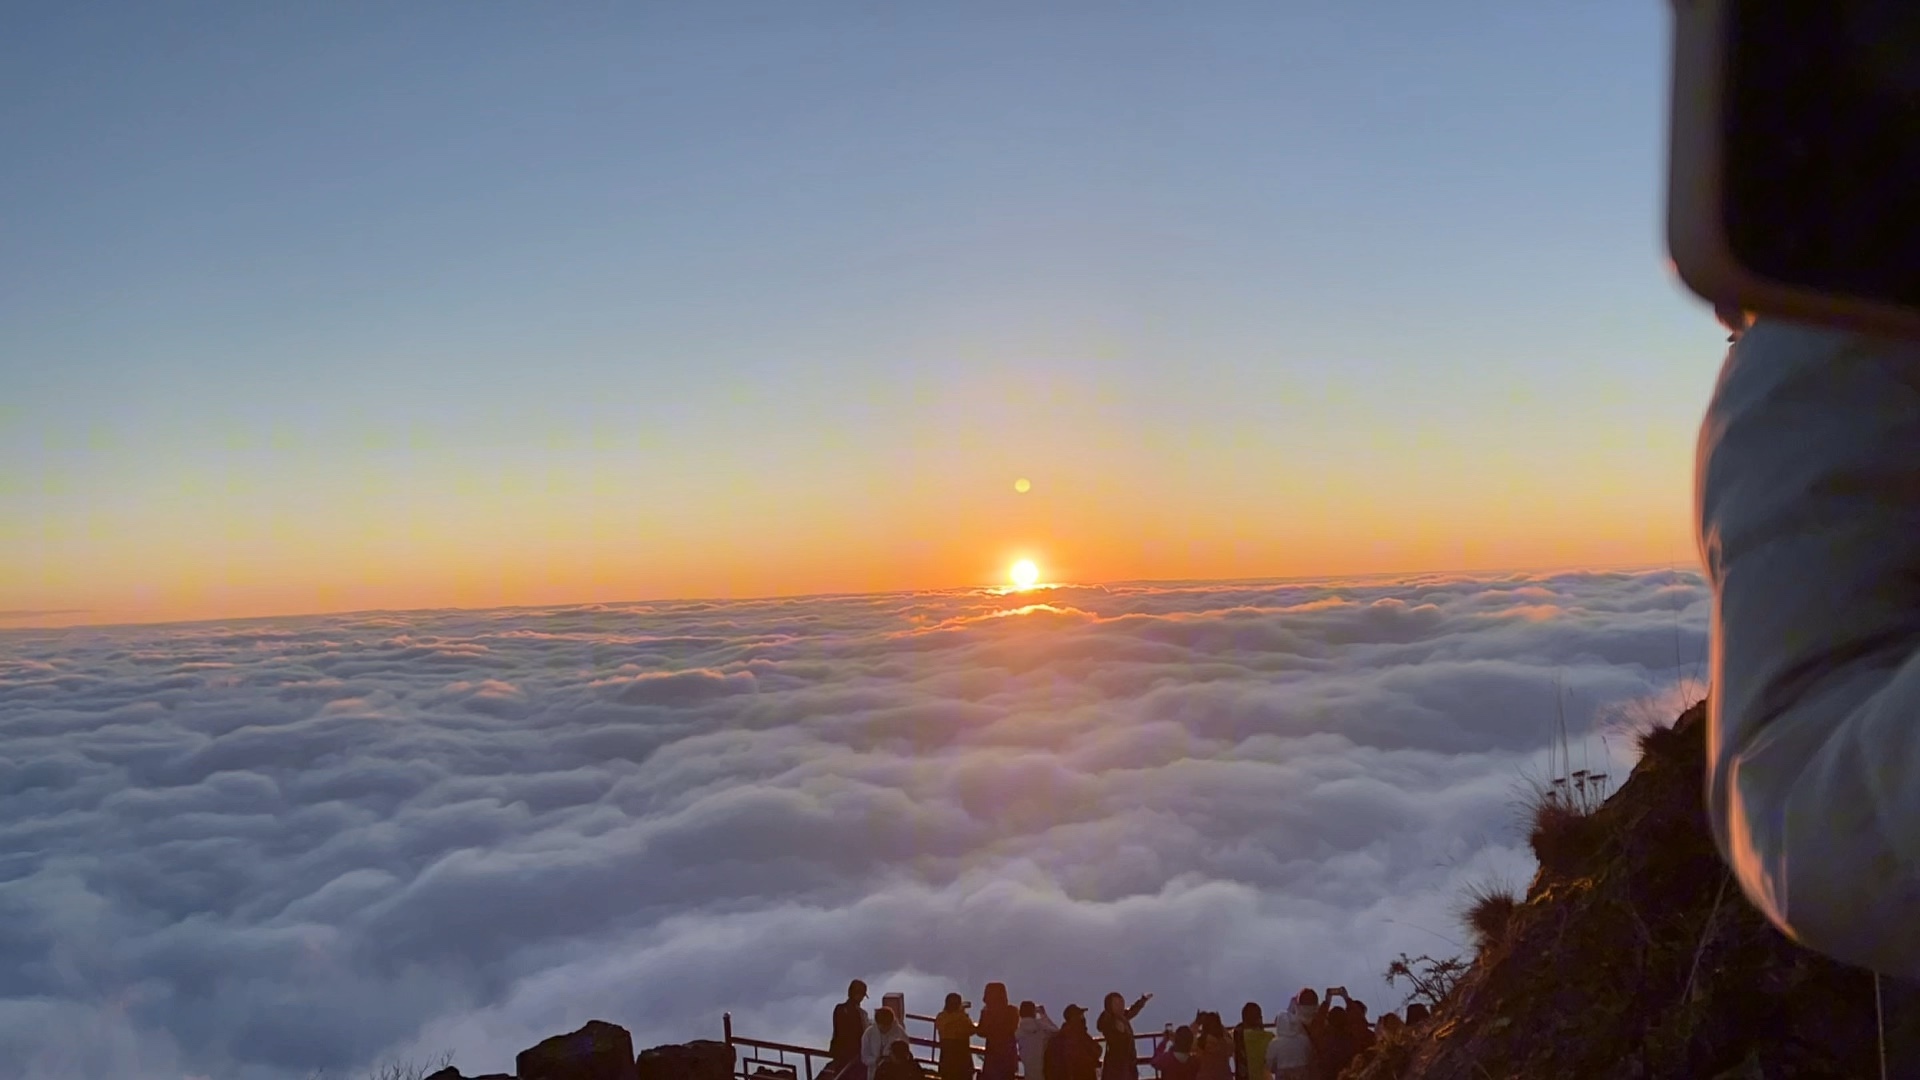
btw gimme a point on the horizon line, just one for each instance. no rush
(1486, 572)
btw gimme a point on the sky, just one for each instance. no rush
(254, 849)
(361, 306)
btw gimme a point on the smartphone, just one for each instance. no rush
(1793, 166)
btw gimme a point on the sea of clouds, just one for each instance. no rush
(255, 849)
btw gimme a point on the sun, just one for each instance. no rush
(1025, 575)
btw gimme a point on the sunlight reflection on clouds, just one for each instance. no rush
(252, 849)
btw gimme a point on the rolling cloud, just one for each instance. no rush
(254, 849)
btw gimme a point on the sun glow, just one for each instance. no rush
(1025, 574)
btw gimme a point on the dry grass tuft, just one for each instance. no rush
(1564, 835)
(1488, 913)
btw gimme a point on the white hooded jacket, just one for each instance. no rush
(1808, 485)
(873, 1045)
(1290, 1048)
(1031, 1037)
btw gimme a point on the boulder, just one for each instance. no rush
(598, 1051)
(701, 1059)
(448, 1073)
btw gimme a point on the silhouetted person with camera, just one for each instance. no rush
(1335, 1043)
(1036, 1030)
(1213, 1047)
(1290, 1053)
(1175, 1059)
(953, 1030)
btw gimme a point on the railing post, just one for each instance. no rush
(726, 1024)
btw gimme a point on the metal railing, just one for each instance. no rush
(810, 1062)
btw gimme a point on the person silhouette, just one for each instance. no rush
(1073, 1054)
(1212, 1047)
(1116, 1029)
(882, 1035)
(849, 1025)
(898, 1064)
(1035, 1032)
(1175, 1059)
(999, 1023)
(953, 1030)
(1250, 1039)
(1290, 1054)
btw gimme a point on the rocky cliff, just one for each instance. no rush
(1634, 955)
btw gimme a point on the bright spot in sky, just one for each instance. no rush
(1025, 575)
(1022, 485)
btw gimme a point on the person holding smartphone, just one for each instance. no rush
(1290, 1052)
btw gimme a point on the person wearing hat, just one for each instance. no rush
(850, 1025)
(1072, 1054)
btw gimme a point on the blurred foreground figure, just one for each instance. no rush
(1809, 494)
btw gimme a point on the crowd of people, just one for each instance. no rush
(1312, 1038)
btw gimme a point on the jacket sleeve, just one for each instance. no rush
(1808, 487)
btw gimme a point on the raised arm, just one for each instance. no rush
(1809, 495)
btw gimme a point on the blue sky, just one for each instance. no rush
(361, 305)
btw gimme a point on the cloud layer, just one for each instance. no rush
(259, 848)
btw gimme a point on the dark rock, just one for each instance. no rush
(598, 1051)
(448, 1073)
(702, 1059)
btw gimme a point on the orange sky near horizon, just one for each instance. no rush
(908, 487)
(553, 548)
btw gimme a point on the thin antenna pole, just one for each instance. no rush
(1880, 1024)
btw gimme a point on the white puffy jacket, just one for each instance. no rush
(1809, 495)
